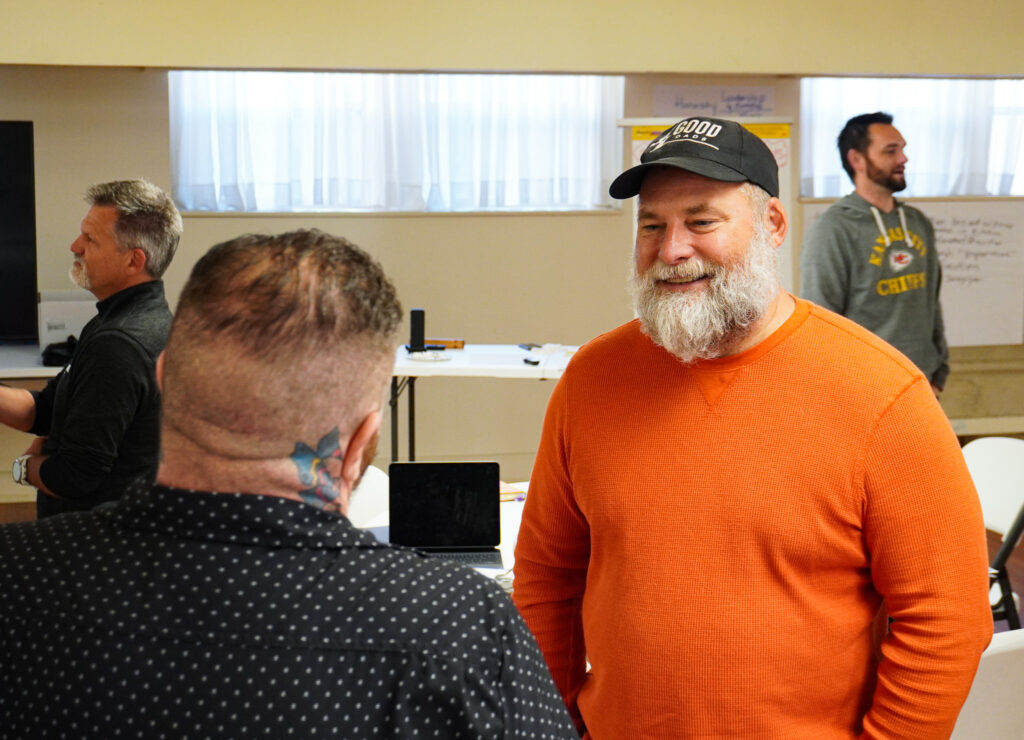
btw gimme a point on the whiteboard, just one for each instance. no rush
(981, 247)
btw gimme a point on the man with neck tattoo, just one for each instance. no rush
(233, 598)
(735, 490)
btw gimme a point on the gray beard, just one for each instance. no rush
(706, 324)
(79, 277)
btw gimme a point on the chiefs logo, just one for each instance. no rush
(900, 260)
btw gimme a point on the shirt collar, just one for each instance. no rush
(240, 518)
(154, 287)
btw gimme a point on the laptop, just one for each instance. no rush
(447, 509)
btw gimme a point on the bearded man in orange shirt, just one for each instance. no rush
(733, 491)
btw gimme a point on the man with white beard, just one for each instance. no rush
(749, 515)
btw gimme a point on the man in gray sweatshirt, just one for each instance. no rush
(872, 258)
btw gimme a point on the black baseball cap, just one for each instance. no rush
(712, 147)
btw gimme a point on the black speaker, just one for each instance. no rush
(416, 331)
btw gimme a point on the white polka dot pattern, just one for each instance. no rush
(183, 614)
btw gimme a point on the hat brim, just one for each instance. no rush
(629, 182)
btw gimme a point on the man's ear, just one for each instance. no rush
(361, 444)
(856, 160)
(137, 262)
(778, 221)
(160, 371)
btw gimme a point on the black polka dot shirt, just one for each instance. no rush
(182, 614)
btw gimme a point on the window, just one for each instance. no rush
(303, 141)
(964, 137)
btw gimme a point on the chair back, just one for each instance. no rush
(997, 467)
(368, 506)
(994, 710)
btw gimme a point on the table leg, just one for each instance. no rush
(412, 417)
(393, 403)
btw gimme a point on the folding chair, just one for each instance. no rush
(993, 710)
(368, 505)
(997, 467)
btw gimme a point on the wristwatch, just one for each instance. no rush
(19, 469)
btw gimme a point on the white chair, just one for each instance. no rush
(994, 710)
(997, 467)
(368, 505)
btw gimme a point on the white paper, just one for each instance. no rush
(726, 101)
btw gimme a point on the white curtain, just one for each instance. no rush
(964, 137)
(297, 141)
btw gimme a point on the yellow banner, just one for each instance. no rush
(647, 133)
(768, 130)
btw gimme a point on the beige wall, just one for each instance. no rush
(945, 37)
(486, 278)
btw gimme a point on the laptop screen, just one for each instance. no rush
(444, 505)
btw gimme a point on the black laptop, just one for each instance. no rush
(447, 509)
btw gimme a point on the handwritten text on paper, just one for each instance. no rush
(713, 100)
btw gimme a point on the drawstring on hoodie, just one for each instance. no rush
(884, 233)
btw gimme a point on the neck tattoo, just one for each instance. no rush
(319, 470)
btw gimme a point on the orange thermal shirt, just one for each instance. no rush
(717, 539)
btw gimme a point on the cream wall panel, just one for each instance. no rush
(487, 278)
(944, 37)
(499, 279)
(90, 125)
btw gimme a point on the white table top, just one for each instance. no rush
(475, 360)
(23, 361)
(486, 361)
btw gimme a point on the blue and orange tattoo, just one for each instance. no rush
(319, 469)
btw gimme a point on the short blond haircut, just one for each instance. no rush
(278, 339)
